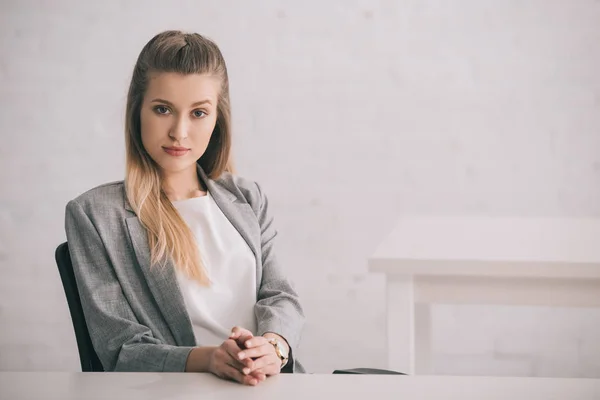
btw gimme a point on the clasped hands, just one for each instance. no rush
(245, 358)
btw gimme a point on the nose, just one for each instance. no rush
(179, 130)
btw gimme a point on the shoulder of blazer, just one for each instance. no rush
(244, 189)
(108, 198)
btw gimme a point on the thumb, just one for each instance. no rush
(238, 331)
(241, 336)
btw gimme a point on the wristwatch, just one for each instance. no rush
(280, 350)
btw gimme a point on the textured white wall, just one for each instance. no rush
(349, 113)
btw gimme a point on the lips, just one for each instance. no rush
(176, 151)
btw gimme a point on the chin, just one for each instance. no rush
(176, 165)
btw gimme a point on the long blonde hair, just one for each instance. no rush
(168, 234)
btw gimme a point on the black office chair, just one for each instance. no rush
(87, 355)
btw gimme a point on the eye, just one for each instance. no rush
(199, 113)
(161, 110)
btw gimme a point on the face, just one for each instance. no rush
(178, 115)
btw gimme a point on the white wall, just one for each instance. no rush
(349, 113)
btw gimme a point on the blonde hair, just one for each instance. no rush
(168, 234)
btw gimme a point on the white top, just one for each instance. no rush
(181, 386)
(231, 268)
(468, 245)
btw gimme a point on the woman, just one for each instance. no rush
(176, 266)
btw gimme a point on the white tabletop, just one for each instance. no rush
(180, 386)
(546, 247)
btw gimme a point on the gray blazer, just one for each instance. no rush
(136, 314)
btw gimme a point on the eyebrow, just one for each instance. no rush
(198, 103)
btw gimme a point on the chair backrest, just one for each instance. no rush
(87, 355)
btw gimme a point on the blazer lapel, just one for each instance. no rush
(163, 284)
(240, 214)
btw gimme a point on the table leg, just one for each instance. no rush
(423, 339)
(400, 324)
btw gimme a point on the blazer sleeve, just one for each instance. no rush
(121, 342)
(278, 308)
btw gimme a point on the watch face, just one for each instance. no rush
(282, 349)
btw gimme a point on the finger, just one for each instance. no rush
(255, 342)
(269, 370)
(255, 352)
(245, 366)
(266, 361)
(242, 340)
(232, 350)
(224, 357)
(238, 331)
(232, 373)
(244, 369)
(241, 335)
(259, 375)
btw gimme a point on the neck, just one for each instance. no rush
(182, 185)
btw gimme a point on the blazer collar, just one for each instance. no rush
(239, 213)
(215, 190)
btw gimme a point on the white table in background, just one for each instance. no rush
(479, 260)
(181, 386)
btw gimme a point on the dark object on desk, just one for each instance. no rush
(87, 355)
(366, 371)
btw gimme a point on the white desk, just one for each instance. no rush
(181, 386)
(454, 260)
